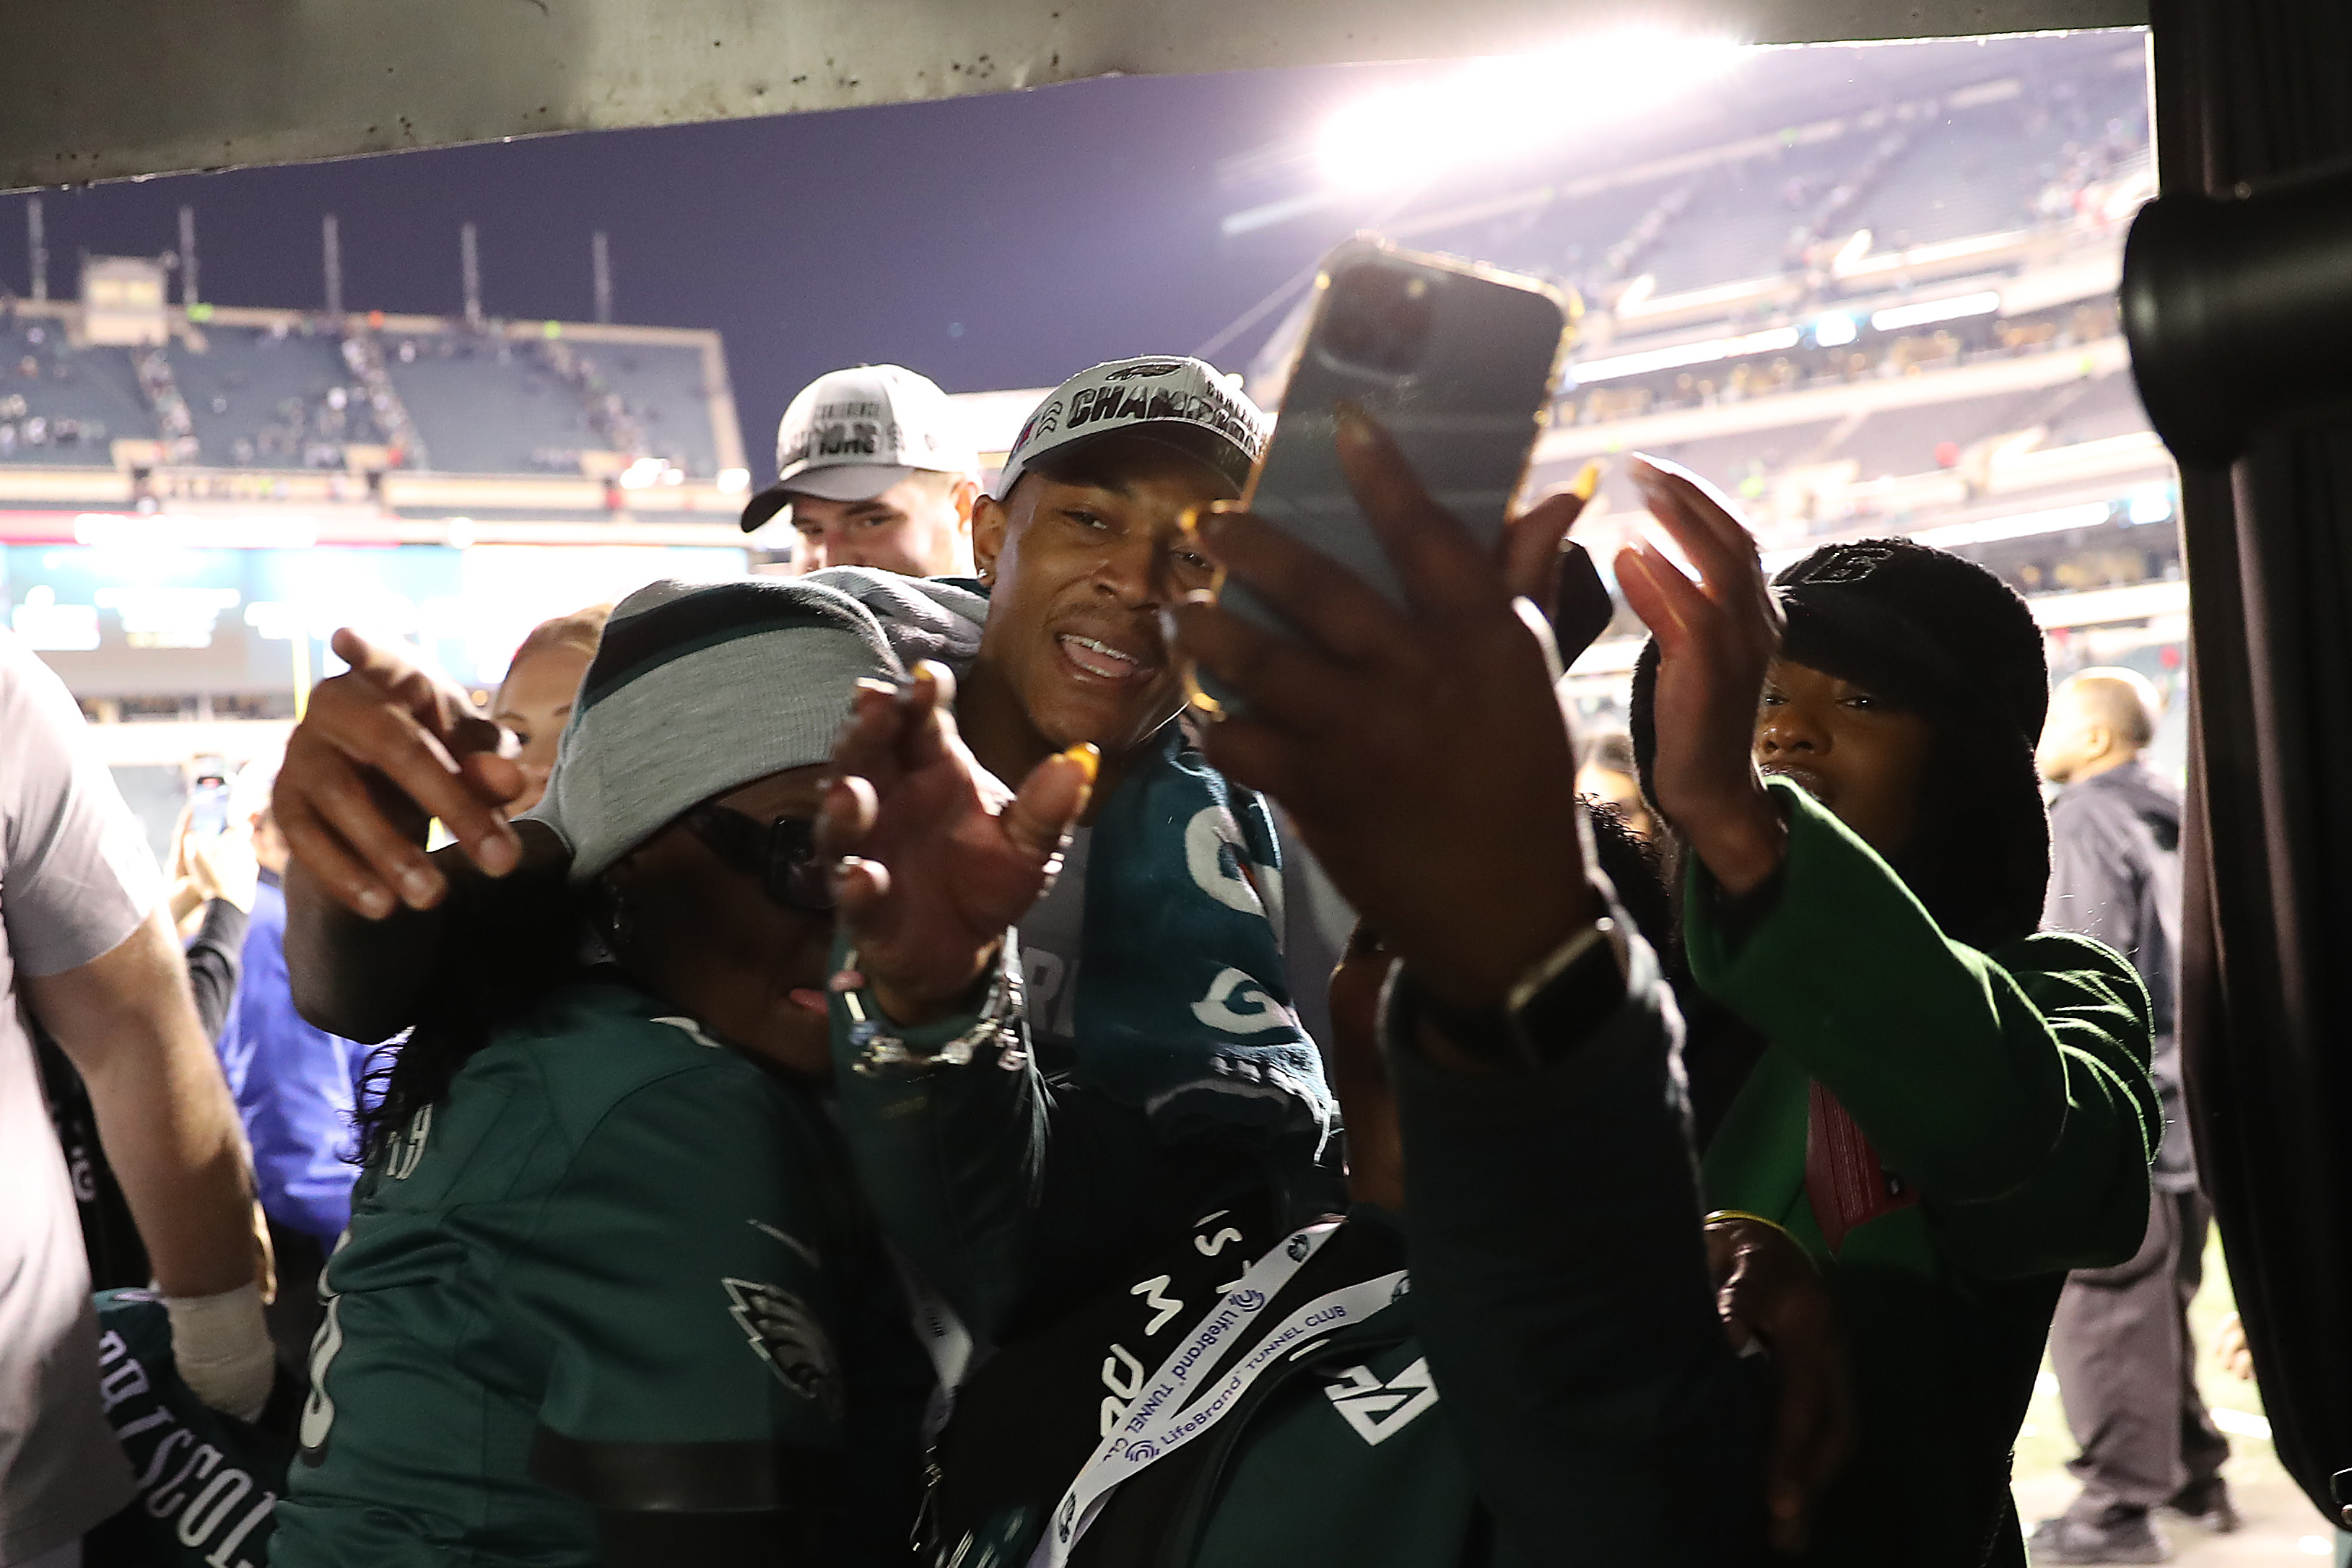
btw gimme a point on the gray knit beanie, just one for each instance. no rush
(698, 690)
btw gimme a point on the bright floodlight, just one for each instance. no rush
(1934, 310)
(1494, 108)
(1835, 330)
(642, 472)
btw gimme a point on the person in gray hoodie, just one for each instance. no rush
(2120, 1341)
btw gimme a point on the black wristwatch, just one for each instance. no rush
(1551, 1009)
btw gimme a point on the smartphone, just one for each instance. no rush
(1581, 606)
(208, 807)
(1459, 362)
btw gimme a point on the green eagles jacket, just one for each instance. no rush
(617, 1266)
(1553, 1388)
(2006, 1094)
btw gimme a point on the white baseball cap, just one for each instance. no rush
(1181, 402)
(853, 434)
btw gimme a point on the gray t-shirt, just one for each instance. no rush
(76, 879)
(1051, 945)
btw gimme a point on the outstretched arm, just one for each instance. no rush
(1560, 1284)
(383, 748)
(1550, 1200)
(2014, 1093)
(936, 860)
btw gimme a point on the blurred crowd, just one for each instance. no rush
(878, 1071)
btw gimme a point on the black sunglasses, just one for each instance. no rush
(781, 854)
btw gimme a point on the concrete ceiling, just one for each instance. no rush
(104, 90)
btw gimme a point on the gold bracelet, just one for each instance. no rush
(1759, 1219)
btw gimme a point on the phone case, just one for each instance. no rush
(1455, 360)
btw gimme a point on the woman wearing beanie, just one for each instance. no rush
(1949, 1109)
(608, 1294)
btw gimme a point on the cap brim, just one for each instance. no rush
(764, 506)
(845, 481)
(1213, 448)
(836, 481)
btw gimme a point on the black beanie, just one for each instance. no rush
(1952, 642)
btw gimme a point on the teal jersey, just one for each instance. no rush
(615, 1265)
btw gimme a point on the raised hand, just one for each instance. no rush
(935, 857)
(1716, 638)
(383, 748)
(1422, 752)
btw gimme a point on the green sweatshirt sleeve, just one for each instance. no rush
(2012, 1087)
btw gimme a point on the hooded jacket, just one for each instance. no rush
(2009, 1119)
(1948, 1109)
(2114, 874)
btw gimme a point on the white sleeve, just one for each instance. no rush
(76, 875)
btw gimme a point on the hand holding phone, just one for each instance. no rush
(208, 809)
(1455, 362)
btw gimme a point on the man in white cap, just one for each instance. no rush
(873, 469)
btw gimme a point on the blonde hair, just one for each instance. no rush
(580, 631)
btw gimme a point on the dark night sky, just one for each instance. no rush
(989, 242)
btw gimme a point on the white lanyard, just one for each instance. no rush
(1158, 1422)
(945, 1340)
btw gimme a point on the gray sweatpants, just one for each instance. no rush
(2128, 1368)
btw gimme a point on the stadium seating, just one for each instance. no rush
(484, 406)
(63, 405)
(666, 391)
(288, 396)
(2103, 409)
(1905, 440)
(1728, 460)
(1741, 223)
(279, 399)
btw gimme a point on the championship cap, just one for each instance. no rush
(852, 434)
(1180, 403)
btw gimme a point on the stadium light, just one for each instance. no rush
(1707, 351)
(1951, 309)
(1494, 108)
(2025, 525)
(734, 480)
(2150, 503)
(645, 471)
(1835, 330)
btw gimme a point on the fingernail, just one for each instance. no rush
(1087, 755)
(1587, 481)
(501, 852)
(1352, 428)
(374, 903)
(418, 887)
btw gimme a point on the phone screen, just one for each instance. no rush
(208, 808)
